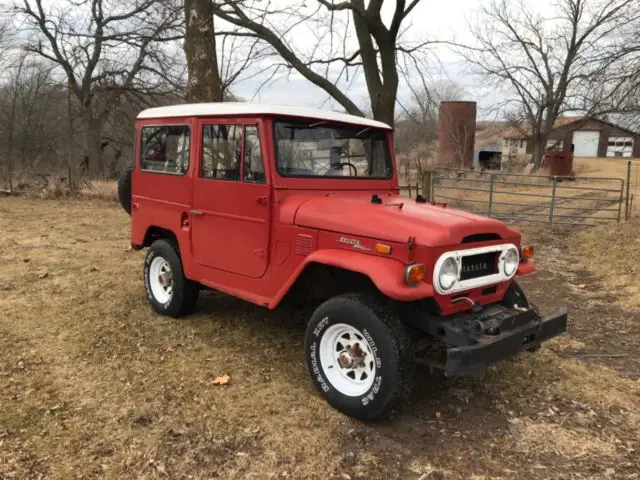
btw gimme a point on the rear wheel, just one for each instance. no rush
(168, 291)
(124, 189)
(359, 356)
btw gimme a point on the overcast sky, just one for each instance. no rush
(432, 19)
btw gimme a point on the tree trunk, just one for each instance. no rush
(200, 49)
(539, 146)
(383, 106)
(91, 165)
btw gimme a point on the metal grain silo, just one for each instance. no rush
(456, 133)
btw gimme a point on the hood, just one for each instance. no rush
(395, 219)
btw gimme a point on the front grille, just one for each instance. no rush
(480, 265)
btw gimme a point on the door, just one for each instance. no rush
(586, 143)
(231, 201)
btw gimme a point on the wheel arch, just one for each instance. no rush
(155, 232)
(385, 275)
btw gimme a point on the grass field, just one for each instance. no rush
(95, 385)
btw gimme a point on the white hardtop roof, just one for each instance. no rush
(240, 108)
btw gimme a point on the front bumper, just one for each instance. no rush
(492, 348)
(475, 340)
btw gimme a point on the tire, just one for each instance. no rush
(162, 265)
(515, 297)
(377, 339)
(124, 189)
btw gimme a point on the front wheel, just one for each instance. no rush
(168, 291)
(359, 356)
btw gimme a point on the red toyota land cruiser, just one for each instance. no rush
(280, 203)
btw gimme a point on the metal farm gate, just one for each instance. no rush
(519, 198)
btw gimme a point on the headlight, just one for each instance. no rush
(448, 274)
(511, 260)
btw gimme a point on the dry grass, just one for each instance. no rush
(95, 385)
(602, 167)
(100, 190)
(552, 438)
(613, 254)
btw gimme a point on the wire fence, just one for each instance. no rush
(516, 198)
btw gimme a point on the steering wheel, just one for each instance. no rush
(350, 165)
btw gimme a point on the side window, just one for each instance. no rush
(221, 150)
(253, 166)
(165, 149)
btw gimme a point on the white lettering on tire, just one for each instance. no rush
(321, 324)
(374, 347)
(316, 369)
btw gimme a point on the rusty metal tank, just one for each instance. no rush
(456, 133)
(559, 162)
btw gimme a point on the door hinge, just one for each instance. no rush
(262, 200)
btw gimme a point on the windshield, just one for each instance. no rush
(320, 149)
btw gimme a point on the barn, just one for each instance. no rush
(590, 137)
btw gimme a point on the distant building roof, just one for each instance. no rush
(489, 133)
(525, 131)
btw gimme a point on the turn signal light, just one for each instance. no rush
(527, 252)
(382, 248)
(413, 274)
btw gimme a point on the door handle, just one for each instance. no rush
(196, 212)
(262, 200)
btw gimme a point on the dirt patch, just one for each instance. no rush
(94, 385)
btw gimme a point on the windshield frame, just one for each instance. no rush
(384, 133)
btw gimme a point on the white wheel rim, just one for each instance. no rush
(161, 280)
(347, 360)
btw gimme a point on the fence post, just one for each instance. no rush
(490, 194)
(553, 199)
(626, 201)
(427, 185)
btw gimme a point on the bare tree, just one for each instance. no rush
(105, 49)
(419, 111)
(546, 61)
(352, 38)
(29, 130)
(416, 129)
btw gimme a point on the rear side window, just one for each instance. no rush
(165, 149)
(221, 151)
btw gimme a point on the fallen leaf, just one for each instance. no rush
(43, 275)
(222, 379)
(582, 285)
(128, 249)
(169, 349)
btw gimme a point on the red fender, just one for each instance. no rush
(525, 269)
(386, 273)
